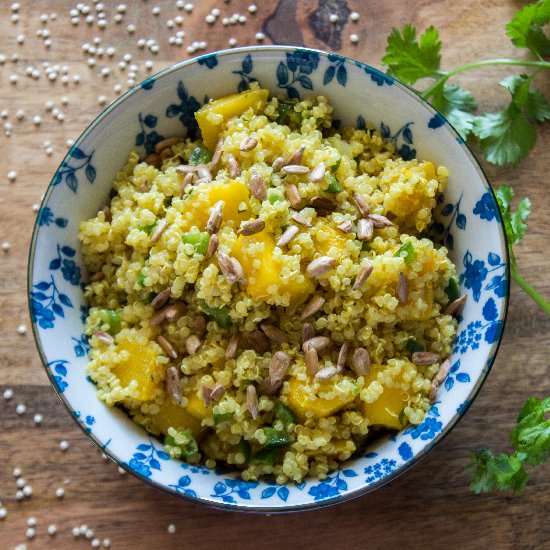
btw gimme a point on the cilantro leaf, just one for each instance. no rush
(410, 59)
(531, 437)
(501, 472)
(508, 135)
(515, 223)
(455, 104)
(525, 29)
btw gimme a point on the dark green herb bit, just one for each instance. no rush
(199, 240)
(181, 443)
(200, 155)
(412, 345)
(147, 228)
(334, 185)
(336, 165)
(286, 113)
(218, 314)
(407, 252)
(140, 279)
(275, 438)
(452, 290)
(221, 417)
(111, 318)
(274, 197)
(244, 448)
(283, 413)
(267, 455)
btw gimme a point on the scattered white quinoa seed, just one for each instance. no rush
(63, 445)
(171, 528)
(60, 492)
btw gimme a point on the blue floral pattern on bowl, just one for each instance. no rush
(467, 219)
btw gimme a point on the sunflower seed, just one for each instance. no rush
(326, 373)
(192, 344)
(291, 192)
(161, 298)
(320, 265)
(257, 186)
(170, 313)
(165, 143)
(210, 395)
(104, 337)
(346, 226)
(206, 395)
(297, 156)
(402, 288)
(361, 204)
(277, 371)
(166, 153)
(274, 333)
(360, 361)
(215, 219)
(439, 378)
(252, 400)
(186, 168)
(248, 143)
(323, 206)
(311, 360)
(107, 213)
(318, 342)
(204, 173)
(294, 169)
(159, 230)
(232, 346)
(363, 274)
(289, 233)
(187, 180)
(342, 356)
(153, 159)
(380, 221)
(233, 166)
(231, 268)
(98, 276)
(213, 244)
(365, 229)
(455, 307)
(318, 173)
(300, 220)
(278, 163)
(308, 332)
(425, 358)
(251, 228)
(312, 307)
(199, 324)
(213, 164)
(167, 347)
(258, 341)
(173, 384)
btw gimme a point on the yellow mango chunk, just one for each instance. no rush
(140, 366)
(386, 410)
(212, 116)
(196, 407)
(171, 415)
(268, 273)
(196, 208)
(326, 237)
(304, 404)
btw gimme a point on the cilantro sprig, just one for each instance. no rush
(506, 136)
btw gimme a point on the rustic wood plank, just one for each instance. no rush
(430, 506)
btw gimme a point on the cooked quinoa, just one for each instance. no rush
(321, 318)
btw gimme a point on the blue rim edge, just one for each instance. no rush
(340, 498)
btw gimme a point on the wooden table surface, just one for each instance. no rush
(429, 507)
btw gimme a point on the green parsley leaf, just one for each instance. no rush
(274, 197)
(283, 413)
(147, 228)
(515, 223)
(221, 417)
(525, 28)
(200, 155)
(336, 165)
(455, 104)
(452, 290)
(267, 455)
(275, 438)
(407, 252)
(199, 240)
(112, 319)
(334, 185)
(501, 472)
(218, 314)
(412, 345)
(180, 444)
(140, 279)
(410, 59)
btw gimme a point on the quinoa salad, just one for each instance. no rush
(266, 297)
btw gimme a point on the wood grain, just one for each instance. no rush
(428, 507)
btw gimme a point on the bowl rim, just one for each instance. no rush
(287, 508)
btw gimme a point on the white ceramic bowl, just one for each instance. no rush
(467, 222)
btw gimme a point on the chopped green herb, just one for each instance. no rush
(412, 346)
(140, 279)
(180, 444)
(283, 413)
(244, 448)
(200, 155)
(287, 115)
(407, 252)
(148, 228)
(199, 240)
(452, 290)
(274, 197)
(221, 417)
(267, 455)
(111, 318)
(275, 438)
(334, 185)
(218, 314)
(336, 165)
